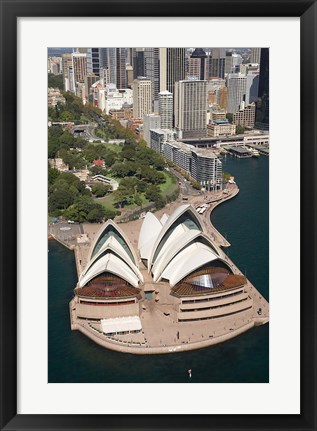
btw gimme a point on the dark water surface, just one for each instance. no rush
(72, 357)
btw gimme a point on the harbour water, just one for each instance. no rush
(73, 358)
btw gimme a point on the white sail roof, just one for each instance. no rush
(171, 248)
(187, 261)
(114, 265)
(164, 219)
(107, 226)
(172, 219)
(113, 245)
(150, 230)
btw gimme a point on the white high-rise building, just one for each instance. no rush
(142, 97)
(166, 109)
(255, 55)
(236, 83)
(191, 109)
(150, 121)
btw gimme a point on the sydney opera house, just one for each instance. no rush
(177, 272)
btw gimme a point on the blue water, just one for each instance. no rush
(72, 357)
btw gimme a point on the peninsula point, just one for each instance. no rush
(162, 284)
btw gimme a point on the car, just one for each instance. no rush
(70, 221)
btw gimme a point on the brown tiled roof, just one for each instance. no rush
(107, 286)
(187, 288)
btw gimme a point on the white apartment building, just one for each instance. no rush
(166, 109)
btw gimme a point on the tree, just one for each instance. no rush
(240, 130)
(138, 199)
(55, 81)
(60, 199)
(229, 117)
(53, 174)
(153, 193)
(226, 176)
(66, 116)
(96, 214)
(100, 190)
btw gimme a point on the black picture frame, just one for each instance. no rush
(10, 11)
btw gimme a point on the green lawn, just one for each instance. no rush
(169, 186)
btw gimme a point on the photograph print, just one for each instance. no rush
(158, 204)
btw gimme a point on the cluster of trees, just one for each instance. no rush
(62, 141)
(141, 171)
(69, 197)
(72, 110)
(94, 152)
(55, 81)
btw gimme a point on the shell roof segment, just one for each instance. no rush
(113, 264)
(192, 222)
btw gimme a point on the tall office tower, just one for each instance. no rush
(166, 109)
(172, 67)
(233, 61)
(67, 63)
(94, 60)
(115, 60)
(191, 109)
(252, 87)
(223, 98)
(138, 63)
(262, 105)
(79, 67)
(236, 83)
(218, 62)
(121, 61)
(255, 55)
(110, 60)
(152, 72)
(130, 56)
(192, 68)
(200, 54)
(150, 121)
(129, 70)
(142, 97)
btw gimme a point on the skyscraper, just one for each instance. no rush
(236, 83)
(218, 62)
(255, 55)
(172, 67)
(138, 62)
(121, 61)
(142, 97)
(94, 61)
(152, 72)
(67, 64)
(166, 109)
(262, 106)
(79, 67)
(200, 54)
(191, 109)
